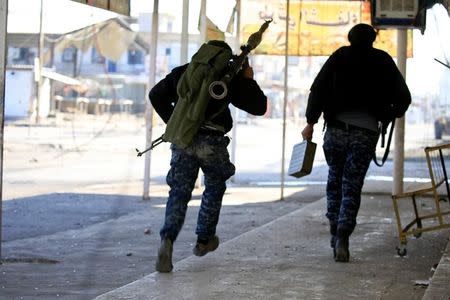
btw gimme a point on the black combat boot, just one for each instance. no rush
(164, 260)
(204, 246)
(342, 253)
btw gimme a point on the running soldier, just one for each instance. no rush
(207, 151)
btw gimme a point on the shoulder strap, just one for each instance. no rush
(386, 152)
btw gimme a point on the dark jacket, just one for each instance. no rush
(244, 93)
(358, 77)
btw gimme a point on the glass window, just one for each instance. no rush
(135, 57)
(68, 54)
(96, 57)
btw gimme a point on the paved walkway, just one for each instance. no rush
(440, 283)
(290, 258)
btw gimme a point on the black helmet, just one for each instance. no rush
(362, 35)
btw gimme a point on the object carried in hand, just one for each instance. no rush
(302, 159)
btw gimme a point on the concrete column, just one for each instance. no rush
(184, 33)
(283, 145)
(39, 63)
(3, 56)
(399, 133)
(202, 22)
(148, 106)
(198, 182)
(234, 110)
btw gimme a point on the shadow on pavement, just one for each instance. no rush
(51, 213)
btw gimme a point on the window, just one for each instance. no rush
(135, 57)
(96, 57)
(112, 67)
(68, 54)
(22, 55)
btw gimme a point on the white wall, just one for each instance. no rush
(18, 93)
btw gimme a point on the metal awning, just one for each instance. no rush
(60, 16)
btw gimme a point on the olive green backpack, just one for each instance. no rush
(206, 66)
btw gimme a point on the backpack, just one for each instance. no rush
(207, 65)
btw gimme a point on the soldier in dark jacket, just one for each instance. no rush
(207, 151)
(358, 88)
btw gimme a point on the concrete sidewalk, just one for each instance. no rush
(290, 258)
(440, 286)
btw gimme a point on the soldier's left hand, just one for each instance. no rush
(248, 72)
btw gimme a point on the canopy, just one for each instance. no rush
(59, 16)
(100, 36)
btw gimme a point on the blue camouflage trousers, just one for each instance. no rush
(209, 153)
(348, 153)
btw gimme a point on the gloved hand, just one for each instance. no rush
(247, 71)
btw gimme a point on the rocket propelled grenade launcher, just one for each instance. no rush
(218, 89)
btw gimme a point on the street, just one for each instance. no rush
(75, 151)
(74, 222)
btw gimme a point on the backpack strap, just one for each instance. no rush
(386, 151)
